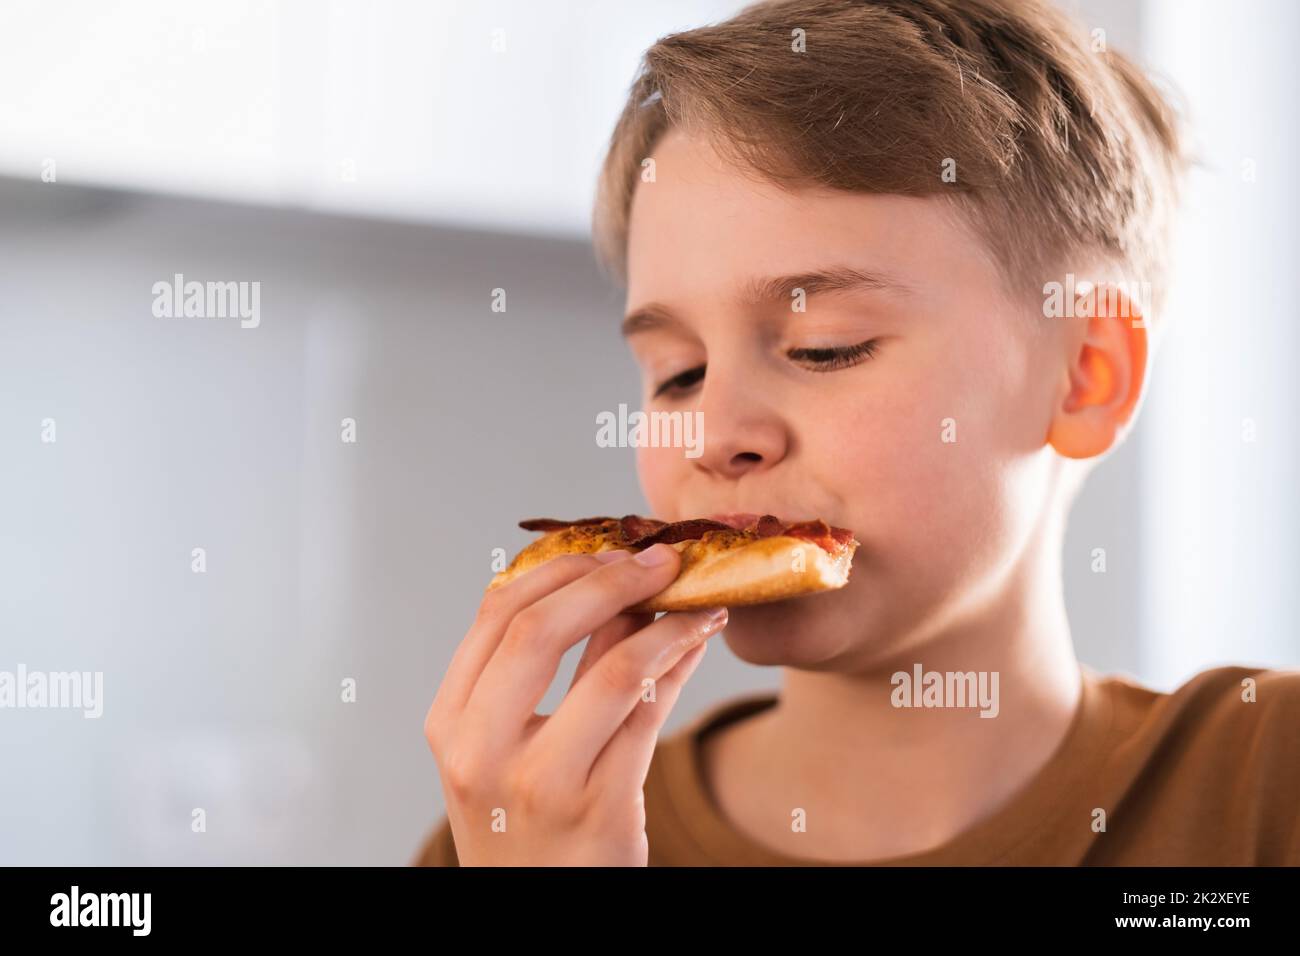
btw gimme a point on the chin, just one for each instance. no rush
(848, 630)
(785, 634)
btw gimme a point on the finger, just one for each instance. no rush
(600, 703)
(497, 610)
(524, 665)
(625, 761)
(605, 637)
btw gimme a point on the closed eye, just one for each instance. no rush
(829, 359)
(820, 360)
(681, 382)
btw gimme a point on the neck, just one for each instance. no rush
(930, 772)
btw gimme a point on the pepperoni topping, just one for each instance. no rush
(679, 531)
(635, 527)
(641, 532)
(554, 524)
(816, 531)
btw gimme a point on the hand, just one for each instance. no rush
(524, 789)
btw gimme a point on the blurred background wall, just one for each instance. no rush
(380, 169)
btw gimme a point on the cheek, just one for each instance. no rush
(659, 471)
(931, 458)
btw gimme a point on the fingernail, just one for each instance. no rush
(654, 555)
(716, 621)
(606, 557)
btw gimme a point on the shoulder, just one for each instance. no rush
(1254, 710)
(1225, 743)
(1230, 705)
(1235, 698)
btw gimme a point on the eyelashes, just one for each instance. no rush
(828, 360)
(816, 360)
(680, 383)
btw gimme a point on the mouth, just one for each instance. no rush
(738, 520)
(741, 520)
(744, 519)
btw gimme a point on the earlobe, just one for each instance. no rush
(1080, 435)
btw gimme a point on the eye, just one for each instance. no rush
(680, 382)
(829, 359)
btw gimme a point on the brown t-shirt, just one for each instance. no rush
(1198, 776)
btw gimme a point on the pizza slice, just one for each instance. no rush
(730, 560)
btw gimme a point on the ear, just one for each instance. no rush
(1107, 369)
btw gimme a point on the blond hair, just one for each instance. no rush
(1060, 150)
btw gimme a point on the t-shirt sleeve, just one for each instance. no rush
(438, 849)
(1278, 745)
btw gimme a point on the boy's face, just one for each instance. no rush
(932, 450)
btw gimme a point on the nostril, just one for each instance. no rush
(747, 456)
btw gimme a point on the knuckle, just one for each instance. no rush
(527, 789)
(492, 608)
(536, 789)
(619, 817)
(622, 584)
(575, 563)
(629, 822)
(619, 673)
(528, 627)
(606, 592)
(433, 728)
(685, 626)
(564, 568)
(461, 772)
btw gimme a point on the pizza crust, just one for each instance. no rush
(718, 569)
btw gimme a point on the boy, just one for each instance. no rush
(838, 224)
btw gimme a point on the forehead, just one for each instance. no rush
(704, 223)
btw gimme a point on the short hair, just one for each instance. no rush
(1063, 149)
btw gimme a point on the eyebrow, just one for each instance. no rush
(769, 289)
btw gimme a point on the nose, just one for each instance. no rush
(743, 433)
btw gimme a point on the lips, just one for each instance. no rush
(738, 520)
(833, 540)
